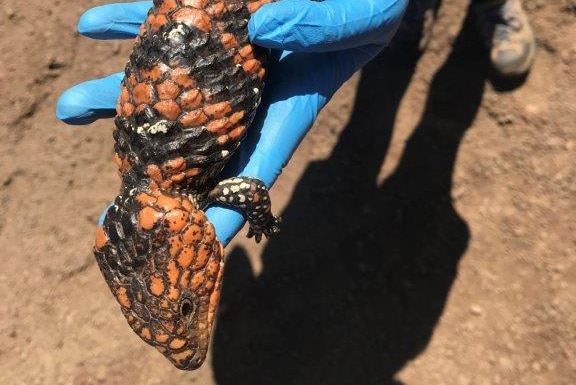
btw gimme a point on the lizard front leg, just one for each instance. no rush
(249, 195)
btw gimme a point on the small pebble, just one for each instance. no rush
(476, 310)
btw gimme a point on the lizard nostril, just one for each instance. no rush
(186, 308)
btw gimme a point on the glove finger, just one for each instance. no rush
(114, 21)
(331, 25)
(90, 101)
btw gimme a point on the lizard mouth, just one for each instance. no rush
(189, 359)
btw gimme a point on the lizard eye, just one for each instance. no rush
(186, 308)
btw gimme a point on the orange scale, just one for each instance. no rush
(193, 17)
(148, 217)
(199, 218)
(237, 117)
(142, 93)
(127, 109)
(177, 343)
(212, 269)
(153, 171)
(197, 280)
(167, 90)
(192, 234)
(182, 356)
(124, 95)
(131, 81)
(251, 66)
(186, 203)
(223, 139)
(218, 126)
(169, 108)
(122, 297)
(204, 254)
(193, 172)
(166, 185)
(157, 22)
(168, 203)
(254, 6)
(247, 52)
(145, 199)
(101, 238)
(181, 76)
(177, 178)
(217, 10)
(175, 220)
(194, 118)
(209, 233)
(218, 110)
(156, 285)
(175, 164)
(173, 293)
(146, 334)
(237, 132)
(185, 279)
(173, 273)
(168, 6)
(186, 257)
(161, 337)
(191, 99)
(228, 41)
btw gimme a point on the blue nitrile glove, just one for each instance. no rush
(317, 47)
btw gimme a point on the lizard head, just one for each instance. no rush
(176, 321)
(166, 276)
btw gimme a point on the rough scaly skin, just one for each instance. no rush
(192, 86)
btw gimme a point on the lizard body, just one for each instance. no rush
(191, 90)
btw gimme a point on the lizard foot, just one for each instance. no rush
(249, 195)
(269, 229)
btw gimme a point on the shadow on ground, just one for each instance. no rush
(352, 288)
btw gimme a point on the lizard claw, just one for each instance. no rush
(271, 228)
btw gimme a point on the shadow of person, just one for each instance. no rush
(353, 286)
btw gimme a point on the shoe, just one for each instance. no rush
(507, 33)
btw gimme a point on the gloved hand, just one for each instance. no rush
(316, 46)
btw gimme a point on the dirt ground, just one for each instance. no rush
(429, 224)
